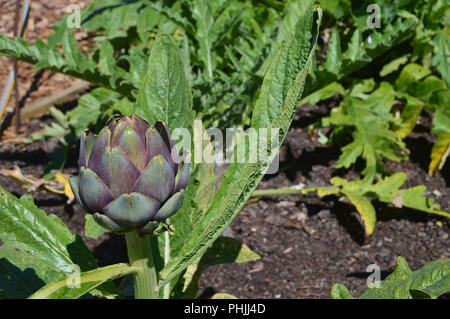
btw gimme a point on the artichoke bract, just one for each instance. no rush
(128, 178)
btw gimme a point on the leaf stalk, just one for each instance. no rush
(141, 257)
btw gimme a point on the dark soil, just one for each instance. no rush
(306, 243)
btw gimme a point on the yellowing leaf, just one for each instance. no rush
(62, 178)
(357, 191)
(58, 186)
(222, 295)
(439, 153)
(364, 208)
(409, 115)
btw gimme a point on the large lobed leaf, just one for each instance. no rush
(360, 51)
(430, 281)
(73, 63)
(386, 190)
(357, 192)
(370, 118)
(40, 246)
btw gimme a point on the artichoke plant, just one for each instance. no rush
(127, 176)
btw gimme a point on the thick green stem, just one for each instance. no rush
(166, 291)
(140, 256)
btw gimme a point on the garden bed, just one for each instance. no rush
(306, 243)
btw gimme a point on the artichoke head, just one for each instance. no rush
(127, 176)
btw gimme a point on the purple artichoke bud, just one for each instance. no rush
(128, 179)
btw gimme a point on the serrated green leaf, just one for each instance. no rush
(339, 291)
(430, 281)
(366, 50)
(399, 284)
(441, 120)
(434, 290)
(293, 12)
(361, 88)
(354, 51)
(358, 191)
(372, 135)
(147, 20)
(28, 229)
(197, 199)
(410, 74)
(283, 71)
(202, 13)
(387, 189)
(107, 61)
(426, 88)
(393, 65)
(165, 93)
(413, 198)
(74, 64)
(115, 17)
(442, 57)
